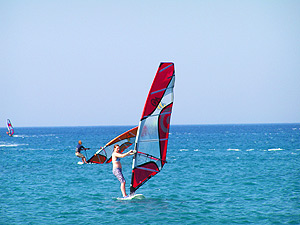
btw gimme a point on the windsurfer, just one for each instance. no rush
(10, 128)
(117, 167)
(80, 148)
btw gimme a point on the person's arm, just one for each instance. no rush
(120, 155)
(83, 148)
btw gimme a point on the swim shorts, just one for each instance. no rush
(118, 173)
(78, 154)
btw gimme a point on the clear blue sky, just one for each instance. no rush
(92, 62)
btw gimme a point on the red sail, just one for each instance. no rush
(153, 132)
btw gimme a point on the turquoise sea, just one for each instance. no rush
(216, 174)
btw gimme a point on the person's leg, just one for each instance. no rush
(118, 173)
(123, 189)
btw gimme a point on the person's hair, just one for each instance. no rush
(116, 145)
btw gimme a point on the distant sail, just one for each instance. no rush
(10, 128)
(153, 132)
(125, 140)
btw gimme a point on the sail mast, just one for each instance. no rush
(134, 156)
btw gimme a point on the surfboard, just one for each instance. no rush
(133, 197)
(80, 163)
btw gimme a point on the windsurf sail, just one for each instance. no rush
(125, 140)
(10, 128)
(153, 131)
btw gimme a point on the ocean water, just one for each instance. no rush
(216, 174)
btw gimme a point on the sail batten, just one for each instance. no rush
(153, 130)
(154, 140)
(158, 91)
(161, 90)
(166, 68)
(151, 156)
(150, 140)
(142, 168)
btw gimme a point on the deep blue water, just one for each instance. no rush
(216, 174)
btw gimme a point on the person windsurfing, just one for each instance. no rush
(79, 148)
(117, 167)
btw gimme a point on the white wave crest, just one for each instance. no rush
(275, 149)
(19, 136)
(11, 145)
(233, 149)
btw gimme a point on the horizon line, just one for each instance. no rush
(204, 124)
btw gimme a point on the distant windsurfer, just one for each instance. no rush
(10, 128)
(79, 148)
(117, 167)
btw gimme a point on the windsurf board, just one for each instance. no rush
(132, 197)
